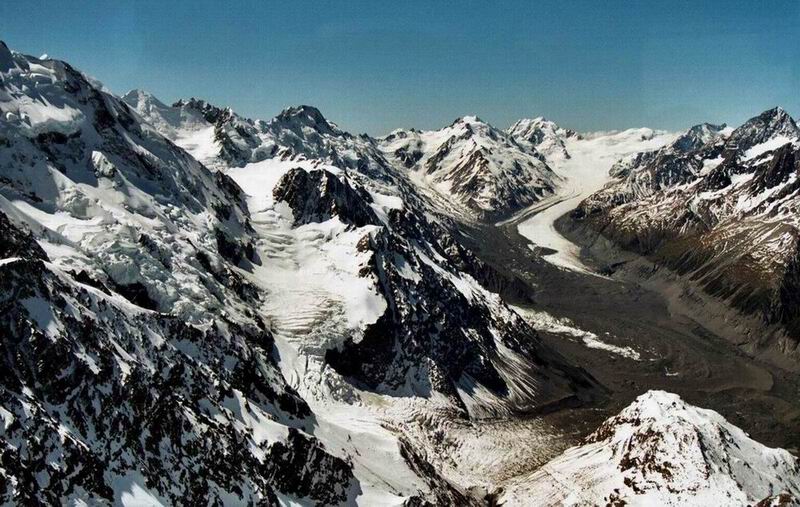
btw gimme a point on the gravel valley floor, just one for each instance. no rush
(632, 340)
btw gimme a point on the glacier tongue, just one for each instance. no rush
(584, 172)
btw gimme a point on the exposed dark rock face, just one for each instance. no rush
(768, 125)
(544, 135)
(17, 242)
(441, 331)
(318, 195)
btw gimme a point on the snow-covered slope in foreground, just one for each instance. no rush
(662, 451)
(585, 171)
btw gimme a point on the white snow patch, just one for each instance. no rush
(772, 144)
(543, 321)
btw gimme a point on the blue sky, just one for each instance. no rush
(372, 66)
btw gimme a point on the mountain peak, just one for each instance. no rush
(774, 116)
(305, 115)
(542, 134)
(137, 98)
(6, 58)
(771, 124)
(194, 103)
(662, 451)
(776, 112)
(468, 120)
(697, 136)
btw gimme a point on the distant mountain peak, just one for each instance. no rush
(468, 120)
(305, 115)
(772, 123)
(775, 112)
(542, 134)
(697, 136)
(137, 97)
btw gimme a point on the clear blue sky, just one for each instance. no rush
(372, 66)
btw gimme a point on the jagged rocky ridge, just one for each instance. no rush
(220, 138)
(475, 164)
(719, 206)
(485, 169)
(662, 451)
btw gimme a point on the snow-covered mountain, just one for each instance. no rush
(164, 318)
(199, 305)
(662, 451)
(133, 357)
(215, 136)
(719, 206)
(322, 173)
(543, 135)
(220, 138)
(483, 168)
(470, 163)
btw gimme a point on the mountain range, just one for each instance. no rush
(198, 305)
(718, 206)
